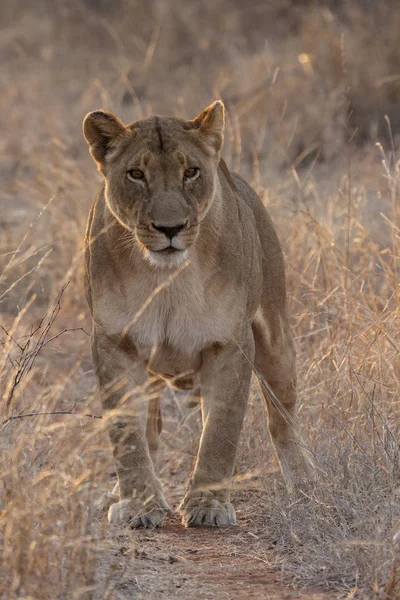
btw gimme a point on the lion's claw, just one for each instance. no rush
(127, 513)
(207, 512)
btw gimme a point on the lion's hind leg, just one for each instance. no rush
(154, 426)
(275, 363)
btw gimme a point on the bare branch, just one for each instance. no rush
(55, 412)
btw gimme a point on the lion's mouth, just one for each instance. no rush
(169, 250)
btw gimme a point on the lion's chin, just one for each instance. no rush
(168, 258)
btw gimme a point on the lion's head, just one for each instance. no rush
(160, 176)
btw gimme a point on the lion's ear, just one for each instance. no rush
(210, 123)
(100, 128)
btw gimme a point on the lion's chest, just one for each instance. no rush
(186, 322)
(171, 322)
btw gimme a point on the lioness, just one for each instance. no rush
(186, 286)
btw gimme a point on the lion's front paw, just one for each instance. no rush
(127, 512)
(206, 510)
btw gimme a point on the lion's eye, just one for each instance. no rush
(192, 173)
(135, 175)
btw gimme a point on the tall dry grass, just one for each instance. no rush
(306, 86)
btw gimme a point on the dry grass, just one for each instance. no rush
(298, 79)
(341, 532)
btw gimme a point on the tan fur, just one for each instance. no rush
(200, 314)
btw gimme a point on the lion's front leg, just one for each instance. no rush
(225, 383)
(125, 395)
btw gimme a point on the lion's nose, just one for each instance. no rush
(170, 232)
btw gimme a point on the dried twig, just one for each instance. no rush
(30, 350)
(53, 412)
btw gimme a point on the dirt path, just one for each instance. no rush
(196, 564)
(200, 564)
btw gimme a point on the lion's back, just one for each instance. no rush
(273, 264)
